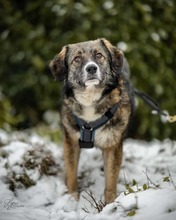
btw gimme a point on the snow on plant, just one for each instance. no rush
(32, 181)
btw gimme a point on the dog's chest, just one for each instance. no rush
(89, 114)
(87, 97)
(103, 136)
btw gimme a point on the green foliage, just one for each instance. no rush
(131, 213)
(145, 186)
(129, 190)
(166, 179)
(32, 32)
(134, 188)
(7, 113)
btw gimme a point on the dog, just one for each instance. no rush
(97, 107)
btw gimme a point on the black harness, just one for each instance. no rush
(87, 129)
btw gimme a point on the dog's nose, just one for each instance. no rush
(91, 69)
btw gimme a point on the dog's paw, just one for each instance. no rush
(66, 203)
(75, 195)
(110, 196)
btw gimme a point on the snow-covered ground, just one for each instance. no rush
(32, 181)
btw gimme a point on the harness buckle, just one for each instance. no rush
(86, 144)
(87, 127)
(87, 136)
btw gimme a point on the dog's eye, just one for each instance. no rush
(78, 59)
(99, 55)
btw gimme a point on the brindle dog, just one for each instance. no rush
(96, 78)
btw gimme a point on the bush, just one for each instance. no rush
(32, 32)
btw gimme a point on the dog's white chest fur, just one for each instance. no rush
(89, 114)
(89, 96)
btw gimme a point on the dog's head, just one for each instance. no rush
(92, 63)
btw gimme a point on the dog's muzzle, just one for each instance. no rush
(92, 74)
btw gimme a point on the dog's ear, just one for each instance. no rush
(116, 55)
(58, 65)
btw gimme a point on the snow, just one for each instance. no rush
(33, 168)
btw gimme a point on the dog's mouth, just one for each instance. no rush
(92, 82)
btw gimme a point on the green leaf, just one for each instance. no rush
(132, 212)
(145, 186)
(134, 183)
(166, 179)
(129, 189)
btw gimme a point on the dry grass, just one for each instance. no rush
(98, 205)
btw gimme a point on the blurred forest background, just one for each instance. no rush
(32, 32)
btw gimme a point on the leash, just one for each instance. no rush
(87, 129)
(154, 106)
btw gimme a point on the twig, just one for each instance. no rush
(149, 180)
(136, 198)
(124, 175)
(97, 205)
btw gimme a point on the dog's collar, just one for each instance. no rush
(87, 129)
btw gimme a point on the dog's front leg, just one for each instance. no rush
(71, 157)
(112, 161)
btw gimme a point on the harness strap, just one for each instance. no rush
(87, 129)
